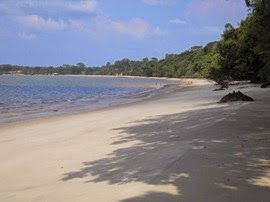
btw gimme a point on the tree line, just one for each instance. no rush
(243, 53)
(194, 62)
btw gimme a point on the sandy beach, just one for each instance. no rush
(180, 145)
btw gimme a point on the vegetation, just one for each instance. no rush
(195, 62)
(243, 53)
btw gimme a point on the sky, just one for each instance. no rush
(57, 32)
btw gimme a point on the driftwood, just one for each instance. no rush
(235, 96)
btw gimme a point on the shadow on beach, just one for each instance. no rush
(220, 153)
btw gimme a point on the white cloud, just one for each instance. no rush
(178, 22)
(26, 36)
(43, 16)
(83, 6)
(157, 2)
(41, 24)
(51, 6)
(160, 32)
(136, 27)
(77, 24)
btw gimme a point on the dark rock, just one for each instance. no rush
(234, 97)
(265, 85)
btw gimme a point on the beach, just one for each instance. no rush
(180, 145)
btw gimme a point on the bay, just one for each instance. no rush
(26, 97)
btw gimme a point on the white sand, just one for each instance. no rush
(178, 146)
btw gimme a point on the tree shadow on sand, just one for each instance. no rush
(193, 151)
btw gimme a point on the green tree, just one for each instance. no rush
(244, 52)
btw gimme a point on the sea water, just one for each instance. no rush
(27, 97)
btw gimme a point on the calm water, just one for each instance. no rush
(26, 97)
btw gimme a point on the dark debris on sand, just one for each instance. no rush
(234, 97)
(265, 85)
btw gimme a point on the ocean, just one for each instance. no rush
(25, 97)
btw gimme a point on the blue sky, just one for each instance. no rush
(56, 32)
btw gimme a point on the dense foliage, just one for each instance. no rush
(244, 52)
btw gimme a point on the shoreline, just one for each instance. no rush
(146, 97)
(78, 106)
(125, 99)
(109, 76)
(179, 146)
